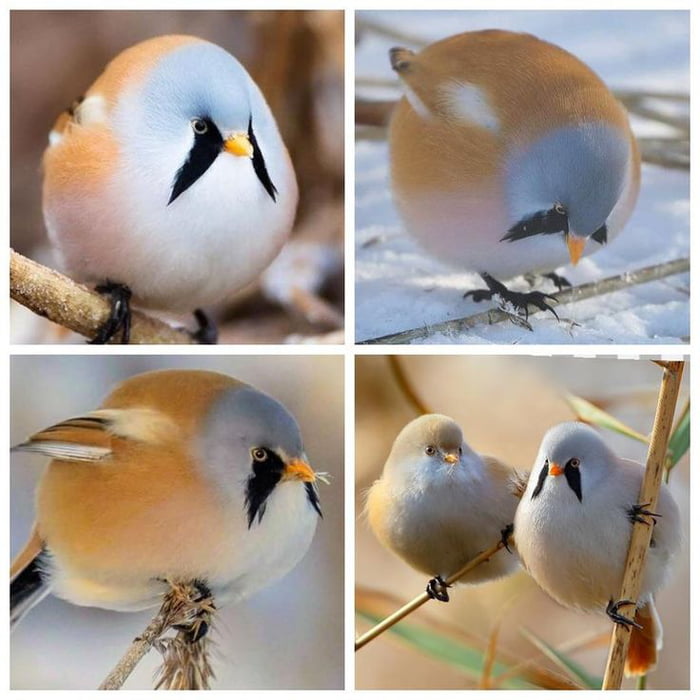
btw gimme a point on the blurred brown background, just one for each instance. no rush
(504, 405)
(297, 60)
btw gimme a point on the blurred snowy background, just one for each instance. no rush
(504, 405)
(398, 287)
(289, 635)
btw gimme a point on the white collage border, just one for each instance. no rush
(349, 350)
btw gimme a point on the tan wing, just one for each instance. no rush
(89, 438)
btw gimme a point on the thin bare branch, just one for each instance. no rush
(416, 603)
(568, 296)
(405, 385)
(185, 659)
(641, 532)
(50, 294)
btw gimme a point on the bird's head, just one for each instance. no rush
(251, 447)
(575, 452)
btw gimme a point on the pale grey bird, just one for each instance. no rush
(438, 504)
(168, 180)
(573, 529)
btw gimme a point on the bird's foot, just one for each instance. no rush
(518, 300)
(437, 589)
(197, 628)
(119, 313)
(506, 534)
(613, 612)
(558, 280)
(207, 332)
(638, 514)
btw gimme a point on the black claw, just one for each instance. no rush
(519, 300)
(558, 280)
(119, 314)
(437, 589)
(207, 332)
(506, 534)
(637, 513)
(613, 612)
(203, 590)
(197, 629)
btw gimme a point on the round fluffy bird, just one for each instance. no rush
(180, 475)
(438, 504)
(573, 528)
(509, 156)
(168, 180)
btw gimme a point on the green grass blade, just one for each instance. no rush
(680, 439)
(589, 413)
(464, 658)
(571, 668)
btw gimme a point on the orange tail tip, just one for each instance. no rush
(644, 643)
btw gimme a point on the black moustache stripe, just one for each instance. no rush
(313, 497)
(542, 222)
(263, 481)
(540, 480)
(601, 235)
(259, 163)
(573, 478)
(266, 475)
(203, 153)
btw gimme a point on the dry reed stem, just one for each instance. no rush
(185, 663)
(405, 385)
(420, 600)
(641, 532)
(50, 294)
(568, 296)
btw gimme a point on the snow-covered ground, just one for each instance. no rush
(398, 287)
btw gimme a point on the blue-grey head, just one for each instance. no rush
(196, 105)
(567, 183)
(251, 444)
(575, 451)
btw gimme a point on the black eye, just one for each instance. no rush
(260, 454)
(430, 450)
(460, 450)
(575, 462)
(199, 126)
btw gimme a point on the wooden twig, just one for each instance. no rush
(568, 296)
(641, 532)
(50, 294)
(416, 603)
(138, 649)
(407, 389)
(185, 662)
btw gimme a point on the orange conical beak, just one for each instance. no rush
(575, 244)
(298, 470)
(555, 469)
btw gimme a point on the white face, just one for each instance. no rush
(571, 455)
(178, 120)
(429, 445)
